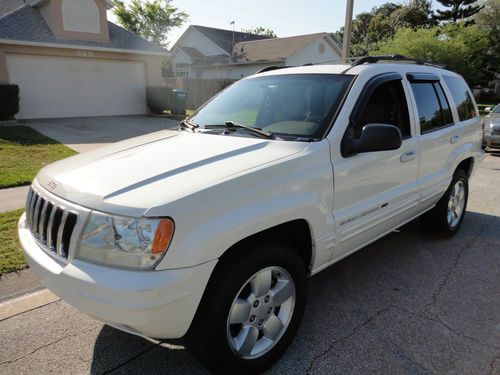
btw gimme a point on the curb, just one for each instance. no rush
(19, 305)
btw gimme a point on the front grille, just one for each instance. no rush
(51, 225)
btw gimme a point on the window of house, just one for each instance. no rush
(199, 74)
(432, 106)
(387, 105)
(181, 74)
(181, 65)
(461, 97)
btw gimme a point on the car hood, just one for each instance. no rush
(133, 176)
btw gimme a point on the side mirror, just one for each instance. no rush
(376, 137)
(487, 109)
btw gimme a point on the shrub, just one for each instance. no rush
(158, 98)
(9, 101)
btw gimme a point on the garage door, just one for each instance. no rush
(73, 87)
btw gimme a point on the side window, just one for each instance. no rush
(445, 106)
(387, 105)
(461, 97)
(433, 108)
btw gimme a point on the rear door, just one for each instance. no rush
(437, 135)
(375, 191)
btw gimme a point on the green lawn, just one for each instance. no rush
(170, 116)
(23, 152)
(11, 257)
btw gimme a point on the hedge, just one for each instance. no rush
(9, 101)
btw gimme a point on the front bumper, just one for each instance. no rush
(492, 140)
(158, 304)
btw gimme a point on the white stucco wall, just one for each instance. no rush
(81, 16)
(312, 54)
(179, 57)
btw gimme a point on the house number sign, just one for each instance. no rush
(84, 53)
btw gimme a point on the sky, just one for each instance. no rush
(285, 17)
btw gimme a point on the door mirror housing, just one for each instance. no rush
(487, 109)
(376, 137)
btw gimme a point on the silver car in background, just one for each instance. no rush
(491, 128)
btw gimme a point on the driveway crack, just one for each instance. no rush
(49, 344)
(442, 284)
(440, 322)
(492, 364)
(349, 335)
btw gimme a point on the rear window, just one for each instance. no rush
(433, 109)
(461, 96)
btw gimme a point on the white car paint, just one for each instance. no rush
(220, 190)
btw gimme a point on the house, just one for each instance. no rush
(203, 52)
(200, 42)
(70, 61)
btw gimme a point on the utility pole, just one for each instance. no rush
(346, 43)
(232, 23)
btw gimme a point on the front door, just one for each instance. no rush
(375, 191)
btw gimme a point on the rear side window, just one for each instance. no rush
(461, 96)
(433, 108)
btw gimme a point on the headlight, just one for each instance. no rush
(125, 241)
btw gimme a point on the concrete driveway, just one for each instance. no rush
(86, 133)
(407, 304)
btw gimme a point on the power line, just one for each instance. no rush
(263, 14)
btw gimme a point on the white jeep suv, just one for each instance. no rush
(209, 233)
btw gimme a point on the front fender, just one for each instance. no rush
(212, 220)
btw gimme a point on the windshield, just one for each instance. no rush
(496, 109)
(297, 105)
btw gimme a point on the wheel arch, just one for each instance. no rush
(296, 233)
(467, 165)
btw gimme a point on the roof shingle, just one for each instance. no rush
(224, 38)
(7, 6)
(273, 49)
(27, 24)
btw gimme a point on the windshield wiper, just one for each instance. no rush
(233, 125)
(188, 125)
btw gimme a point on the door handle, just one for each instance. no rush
(454, 139)
(407, 156)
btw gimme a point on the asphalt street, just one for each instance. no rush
(407, 304)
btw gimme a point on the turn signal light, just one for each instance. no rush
(163, 236)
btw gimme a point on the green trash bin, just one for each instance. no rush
(179, 102)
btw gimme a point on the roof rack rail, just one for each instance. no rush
(401, 58)
(269, 68)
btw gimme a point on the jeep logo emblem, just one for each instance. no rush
(52, 184)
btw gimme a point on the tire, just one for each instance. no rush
(240, 280)
(446, 217)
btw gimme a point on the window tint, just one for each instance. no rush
(445, 106)
(431, 113)
(387, 105)
(461, 97)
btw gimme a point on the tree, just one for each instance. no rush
(417, 13)
(259, 30)
(458, 10)
(459, 47)
(381, 23)
(488, 21)
(151, 20)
